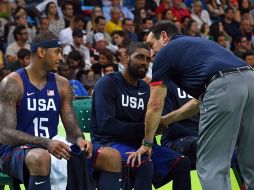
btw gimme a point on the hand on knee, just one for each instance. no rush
(38, 162)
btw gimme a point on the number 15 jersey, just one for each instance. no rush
(38, 110)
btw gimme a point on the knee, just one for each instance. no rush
(183, 165)
(38, 162)
(109, 160)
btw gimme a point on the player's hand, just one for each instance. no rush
(136, 156)
(58, 149)
(86, 146)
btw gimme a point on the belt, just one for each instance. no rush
(220, 74)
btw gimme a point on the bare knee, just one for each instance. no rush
(109, 159)
(38, 162)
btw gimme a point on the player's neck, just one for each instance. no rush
(36, 72)
(130, 79)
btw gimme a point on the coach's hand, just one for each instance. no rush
(86, 146)
(136, 156)
(58, 149)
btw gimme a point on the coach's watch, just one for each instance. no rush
(147, 143)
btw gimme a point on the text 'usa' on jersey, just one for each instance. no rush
(118, 109)
(38, 110)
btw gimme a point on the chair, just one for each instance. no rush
(82, 108)
(7, 180)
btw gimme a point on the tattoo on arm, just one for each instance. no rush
(10, 93)
(68, 117)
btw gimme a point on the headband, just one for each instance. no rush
(45, 44)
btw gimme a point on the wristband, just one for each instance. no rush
(147, 143)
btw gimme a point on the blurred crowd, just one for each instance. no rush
(95, 33)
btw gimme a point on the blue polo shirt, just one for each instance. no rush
(190, 62)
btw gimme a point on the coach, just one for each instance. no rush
(224, 85)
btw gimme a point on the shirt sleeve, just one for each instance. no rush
(161, 69)
(105, 97)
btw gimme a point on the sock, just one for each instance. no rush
(144, 176)
(181, 175)
(39, 183)
(110, 180)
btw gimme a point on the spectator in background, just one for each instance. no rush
(248, 57)
(43, 25)
(99, 26)
(230, 25)
(147, 23)
(241, 46)
(115, 22)
(216, 29)
(106, 57)
(164, 5)
(21, 19)
(205, 31)
(56, 23)
(221, 39)
(3, 33)
(125, 12)
(215, 9)
(200, 15)
(128, 28)
(192, 28)
(75, 62)
(244, 8)
(78, 45)
(23, 60)
(245, 30)
(21, 37)
(184, 23)
(65, 35)
(40, 8)
(91, 24)
(2, 63)
(120, 39)
(168, 15)
(68, 11)
(109, 68)
(180, 10)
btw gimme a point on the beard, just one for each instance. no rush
(137, 71)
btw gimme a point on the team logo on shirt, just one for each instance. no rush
(41, 104)
(133, 102)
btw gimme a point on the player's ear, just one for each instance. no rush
(41, 52)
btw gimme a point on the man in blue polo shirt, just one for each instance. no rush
(224, 85)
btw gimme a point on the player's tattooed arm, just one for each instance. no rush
(10, 93)
(154, 110)
(68, 117)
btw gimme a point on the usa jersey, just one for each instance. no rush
(38, 110)
(118, 110)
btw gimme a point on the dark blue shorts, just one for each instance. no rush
(164, 160)
(13, 162)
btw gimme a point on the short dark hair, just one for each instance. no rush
(43, 36)
(125, 20)
(22, 53)
(67, 3)
(98, 18)
(18, 30)
(164, 25)
(78, 18)
(247, 53)
(136, 45)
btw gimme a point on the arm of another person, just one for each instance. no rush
(73, 132)
(190, 109)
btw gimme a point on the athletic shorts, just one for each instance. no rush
(13, 162)
(164, 160)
